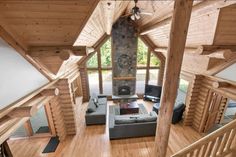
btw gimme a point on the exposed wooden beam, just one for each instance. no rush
(207, 49)
(220, 84)
(25, 111)
(155, 26)
(205, 4)
(64, 52)
(108, 12)
(50, 92)
(178, 35)
(164, 50)
(222, 54)
(210, 51)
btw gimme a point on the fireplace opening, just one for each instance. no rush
(124, 90)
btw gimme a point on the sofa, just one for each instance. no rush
(177, 113)
(127, 126)
(96, 111)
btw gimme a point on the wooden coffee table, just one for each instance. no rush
(129, 108)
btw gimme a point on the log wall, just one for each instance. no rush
(198, 98)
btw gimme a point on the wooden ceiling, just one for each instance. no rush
(36, 24)
(41, 23)
(105, 14)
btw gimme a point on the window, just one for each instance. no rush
(154, 61)
(107, 82)
(93, 61)
(93, 82)
(182, 91)
(39, 121)
(153, 76)
(106, 54)
(105, 70)
(183, 85)
(142, 54)
(140, 81)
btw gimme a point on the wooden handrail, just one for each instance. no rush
(218, 143)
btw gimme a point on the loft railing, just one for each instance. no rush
(216, 144)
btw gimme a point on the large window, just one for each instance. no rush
(103, 69)
(146, 69)
(100, 64)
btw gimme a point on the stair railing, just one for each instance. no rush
(216, 144)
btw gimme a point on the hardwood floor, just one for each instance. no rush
(93, 141)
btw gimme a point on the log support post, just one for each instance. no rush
(50, 92)
(178, 34)
(219, 84)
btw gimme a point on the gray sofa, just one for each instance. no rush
(96, 111)
(126, 126)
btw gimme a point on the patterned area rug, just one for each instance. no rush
(115, 109)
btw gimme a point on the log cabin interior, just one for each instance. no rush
(106, 78)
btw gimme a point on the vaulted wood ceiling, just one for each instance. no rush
(35, 24)
(41, 23)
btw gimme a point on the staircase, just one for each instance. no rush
(219, 143)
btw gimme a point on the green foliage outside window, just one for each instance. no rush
(93, 61)
(154, 61)
(142, 53)
(106, 54)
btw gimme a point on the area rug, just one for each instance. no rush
(116, 109)
(52, 145)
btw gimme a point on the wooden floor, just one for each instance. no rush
(93, 141)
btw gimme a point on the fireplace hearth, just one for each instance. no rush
(124, 90)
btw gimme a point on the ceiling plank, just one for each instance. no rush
(86, 19)
(198, 7)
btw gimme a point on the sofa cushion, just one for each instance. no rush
(151, 117)
(102, 101)
(125, 119)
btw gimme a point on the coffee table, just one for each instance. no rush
(129, 108)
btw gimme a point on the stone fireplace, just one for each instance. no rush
(124, 57)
